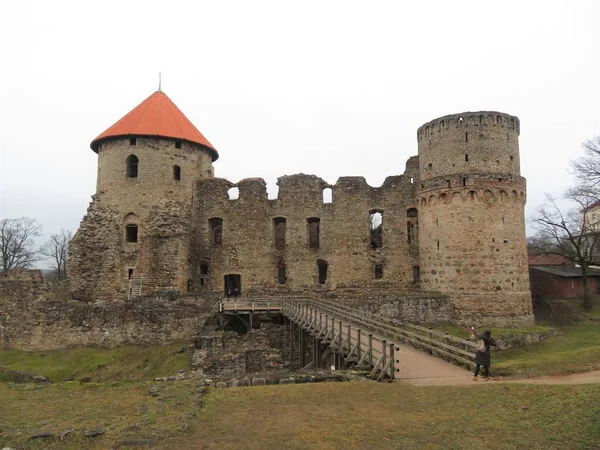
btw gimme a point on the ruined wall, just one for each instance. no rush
(51, 325)
(101, 257)
(248, 245)
(472, 231)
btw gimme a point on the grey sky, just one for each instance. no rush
(331, 88)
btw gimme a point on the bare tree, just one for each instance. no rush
(57, 249)
(587, 167)
(565, 232)
(17, 243)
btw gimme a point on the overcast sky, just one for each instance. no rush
(332, 88)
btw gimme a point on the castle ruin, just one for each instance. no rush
(450, 227)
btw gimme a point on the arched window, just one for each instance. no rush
(279, 227)
(131, 169)
(131, 232)
(376, 228)
(215, 225)
(176, 173)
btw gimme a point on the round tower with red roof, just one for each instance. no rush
(148, 164)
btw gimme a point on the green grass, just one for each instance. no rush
(397, 416)
(576, 349)
(304, 416)
(125, 411)
(100, 364)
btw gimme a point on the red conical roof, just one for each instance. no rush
(156, 116)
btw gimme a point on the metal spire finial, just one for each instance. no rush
(159, 82)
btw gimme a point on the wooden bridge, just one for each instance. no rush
(361, 340)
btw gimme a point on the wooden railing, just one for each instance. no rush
(318, 315)
(347, 341)
(457, 350)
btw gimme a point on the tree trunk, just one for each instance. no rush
(587, 296)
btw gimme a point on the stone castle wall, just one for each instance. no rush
(453, 223)
(249, 230)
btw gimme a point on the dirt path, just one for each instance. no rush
(420, 369)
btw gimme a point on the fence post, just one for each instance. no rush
(384, 350)
(358, 344)
(370, 350)
(349, 338)
(393, 362)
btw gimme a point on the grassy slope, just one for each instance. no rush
(100, 364)
(576, 349)
(306, 416)
(370, 415)
(125, 411)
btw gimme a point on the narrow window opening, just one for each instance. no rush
(438, 246)
(378, 272)
(416, 274)
(177, 144)
(322, 268)
(279, 229)
(203, 273)
(376, 228)
(503, 220)
(327, 195)
(411, 179)
(203, 269)
(281, 273)
(448, 183)
(176, 173)
(412, 222)
(512, 157)
(132, 141)
(422, 185)
(429, 165)
(131, 233)
(437, 222)
(464, 181)
(314, 238)
(234, 193)
(129, 274)
(466, 157)
(215, 225)
(505, 241)
(131, 166)
(467, 138)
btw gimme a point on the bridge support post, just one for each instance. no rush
(301, 346)
(291, 341)
(316, 353)
(370, 350)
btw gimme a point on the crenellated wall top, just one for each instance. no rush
(470, 119)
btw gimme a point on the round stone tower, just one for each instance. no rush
(153, 152)
(135, 237)
(472, 233)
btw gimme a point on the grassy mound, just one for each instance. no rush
(100, 364)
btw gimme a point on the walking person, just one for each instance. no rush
(483, 354)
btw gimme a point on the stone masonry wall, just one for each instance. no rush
(52, 325)
(248, 244)
(472, 229)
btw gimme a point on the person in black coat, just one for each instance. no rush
(483, 358)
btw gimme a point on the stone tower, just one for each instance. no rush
(471, 199)
(137, 224)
